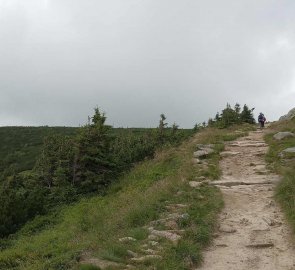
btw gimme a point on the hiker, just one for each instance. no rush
(261, 120)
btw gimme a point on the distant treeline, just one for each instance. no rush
(230, 116)
(78, 162)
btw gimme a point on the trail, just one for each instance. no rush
(253, 233)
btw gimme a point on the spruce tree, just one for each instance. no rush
(93, 164)
(247, 115)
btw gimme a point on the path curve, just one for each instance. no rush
(253, 233)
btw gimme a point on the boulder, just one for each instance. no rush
(283, 135)
(289, 115)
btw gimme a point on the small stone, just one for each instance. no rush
(195, 184)
(184, 216)
(196, 161)
(205, 146)
(150, 251)
(127, 239)
(131, 253)
(203, 153)
(153, 237)
(153, 243)
(167, 234)
(200, 178)
(227, 229)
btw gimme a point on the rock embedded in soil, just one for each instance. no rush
(283, 135)
(205, 146)
(127, 239)
(229, 153)
(101, 264)
(146, 258)
(196, 161)
(289, 150)
(203, 153)
(131, 253)
(195, 184)
(227, 229)
(166, 234)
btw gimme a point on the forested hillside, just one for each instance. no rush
(42, 168)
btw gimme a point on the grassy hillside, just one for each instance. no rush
(81, 235)
(283, 165)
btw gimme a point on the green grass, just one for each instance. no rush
(285, 166)
(94, 225)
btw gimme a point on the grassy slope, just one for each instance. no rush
(285, 192)
(94, 225)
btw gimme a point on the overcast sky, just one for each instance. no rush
(136, 59)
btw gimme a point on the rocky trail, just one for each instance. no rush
(252, 232)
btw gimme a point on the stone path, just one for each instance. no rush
(253, 233)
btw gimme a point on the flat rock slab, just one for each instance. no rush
(289, 150)
(283, 135)
(239, 183)
(229, 153)
(249, 144)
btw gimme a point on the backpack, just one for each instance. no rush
(261, 118)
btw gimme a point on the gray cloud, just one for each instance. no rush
(137, 59)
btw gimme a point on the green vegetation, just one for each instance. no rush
(283, 165)
(91, 227)
(20, 146)
(71, 163)
(232, 116)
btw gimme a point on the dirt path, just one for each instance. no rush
(253, 233)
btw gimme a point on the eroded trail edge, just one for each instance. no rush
(252, 233)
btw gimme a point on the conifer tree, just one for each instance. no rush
(247, 115)
(93, 164)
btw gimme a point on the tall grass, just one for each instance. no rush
(283, 165)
